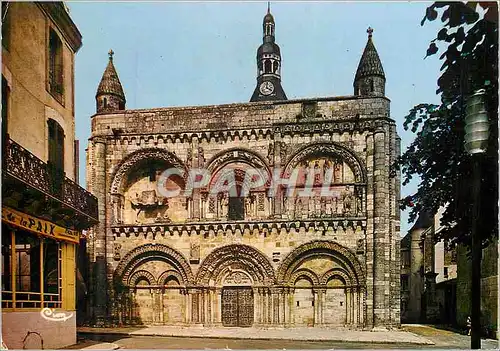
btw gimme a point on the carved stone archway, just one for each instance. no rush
(249, 157)
(129, 162)
(324, 149)
(151, 252)
(140, 275)
(236, 257)
(304, 273)
(320, 247)
(170, 273)
(336, 273)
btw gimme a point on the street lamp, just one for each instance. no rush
(476, 142)
(476, 123)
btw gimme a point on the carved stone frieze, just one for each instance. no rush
(232, 227)
(237, 278)
(339, 126)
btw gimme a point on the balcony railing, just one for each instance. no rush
(29, 169)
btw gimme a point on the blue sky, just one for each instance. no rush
(203, 53)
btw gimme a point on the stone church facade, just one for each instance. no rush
(263, 257)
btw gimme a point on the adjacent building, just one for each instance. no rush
(428, 274)
(237, 251)
(44, 209)
(436, 279)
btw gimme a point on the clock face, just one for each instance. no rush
(266, 88)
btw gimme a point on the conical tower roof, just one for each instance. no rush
(110, 83)
(370, 64)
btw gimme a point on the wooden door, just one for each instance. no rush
(237, 307)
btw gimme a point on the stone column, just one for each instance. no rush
(265, 306)
(369, 255)
(196, 196)
(218, 307)
(210, 304)
(188, 301)
(316, 320)
(352, 299)
(282, 305)
(380, 252)
(256, 307)
(99, 189)
(269, 307)
(348, 306)
(278, 197)
(320, 303)
(363, 311)
(203, 306)
(355, 297)
(286, 306)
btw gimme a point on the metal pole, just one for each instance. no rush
(476, 256)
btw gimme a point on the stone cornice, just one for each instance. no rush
(263, 226)
(256, 106)
(299, 128)
(59, 15)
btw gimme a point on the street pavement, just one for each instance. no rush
(410, 337)
(292, 334)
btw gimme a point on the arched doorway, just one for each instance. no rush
(231, 274)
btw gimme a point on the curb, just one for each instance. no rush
(102, 346)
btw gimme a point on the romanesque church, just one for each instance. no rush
(247, 255)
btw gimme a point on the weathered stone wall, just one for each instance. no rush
(489, 288)
(264, 135)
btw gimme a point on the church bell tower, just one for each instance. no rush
(268, 65)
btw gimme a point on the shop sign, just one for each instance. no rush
(39, 226)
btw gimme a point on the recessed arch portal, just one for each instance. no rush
(333, 150)
(136, 158)
(153, 252)
(317, 249)
(235, 257)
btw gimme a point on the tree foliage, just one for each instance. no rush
(469, 52)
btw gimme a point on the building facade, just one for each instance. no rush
(436, 279)
(44, 210)
(240, 250)
(428, 274)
